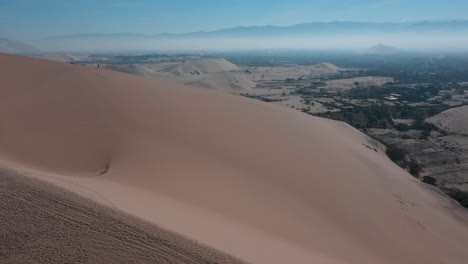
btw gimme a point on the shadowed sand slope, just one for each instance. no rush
(44, 224)
(258, 181)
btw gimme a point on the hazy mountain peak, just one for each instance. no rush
(16, 47)
(382, 49)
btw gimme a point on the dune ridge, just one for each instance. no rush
(260, 182)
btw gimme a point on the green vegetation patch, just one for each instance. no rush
(382, 116)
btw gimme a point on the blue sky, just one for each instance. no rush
(28, 19)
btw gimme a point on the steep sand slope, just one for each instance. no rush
(258, 181)
(44, 224)
(453, 120)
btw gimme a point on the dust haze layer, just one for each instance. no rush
(260, 182)
(448, 35)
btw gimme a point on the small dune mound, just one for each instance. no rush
(141, 70)
(190, 72)
(200, 67)
(328, 67)
(454, 120)
(230, 82)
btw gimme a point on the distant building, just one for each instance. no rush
(391, 98)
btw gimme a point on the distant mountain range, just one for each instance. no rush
(16, 47)
(307, 29)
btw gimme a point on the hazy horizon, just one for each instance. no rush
(123, 25)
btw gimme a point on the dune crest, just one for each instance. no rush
(260, 182)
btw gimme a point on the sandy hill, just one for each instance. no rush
(453, 120)
(382, 49)
(258, 181)
(145, 70)
(217, 74)
(199, 67)
(188, 70)
(231, 82)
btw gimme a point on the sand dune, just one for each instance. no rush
(453, 120)
(230, 82)
(146, 70)
(199, 67)
(258, 181)
(181, 72)
(217, 74)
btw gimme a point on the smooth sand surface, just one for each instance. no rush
(258, 181)
(45, 224)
